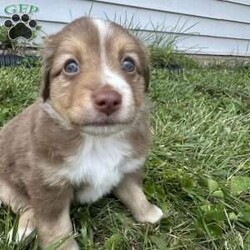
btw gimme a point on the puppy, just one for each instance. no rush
(85, 136)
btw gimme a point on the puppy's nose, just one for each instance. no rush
(107, 101)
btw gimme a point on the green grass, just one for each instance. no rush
(197, 171)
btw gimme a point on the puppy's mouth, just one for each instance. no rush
(108, 120)
(106, 126)
(106, 123)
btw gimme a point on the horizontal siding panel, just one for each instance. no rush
(186, 43)
(145, 19)
(209, 45)
(203, 35)
(54, 11)
(170, 21)
(205, 8)
(243, 2)
(215, 46)
(152, 20)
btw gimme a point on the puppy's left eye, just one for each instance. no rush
(71, 67)
(128, 64)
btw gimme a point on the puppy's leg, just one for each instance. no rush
(130, 192)
(51, 208)
(19, 204)
(11, 197)
(26, 224)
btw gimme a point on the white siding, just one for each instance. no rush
(220, 27)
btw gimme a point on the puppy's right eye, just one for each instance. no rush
(71, 67)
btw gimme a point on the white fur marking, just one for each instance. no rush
(103, 28)
(94, 192)
(100, 164)
(97, 158)
(111, 77)
(121, 86)
(153, 215)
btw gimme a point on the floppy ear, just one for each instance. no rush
(48, 56)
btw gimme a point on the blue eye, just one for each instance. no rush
(71, 67)
(128, 64)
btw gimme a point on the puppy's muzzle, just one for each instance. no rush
(107, 101)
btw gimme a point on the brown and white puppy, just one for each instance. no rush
(86, 136)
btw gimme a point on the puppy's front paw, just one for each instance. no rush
(21, 234)
(152, 214)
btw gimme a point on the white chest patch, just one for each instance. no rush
(99, 165)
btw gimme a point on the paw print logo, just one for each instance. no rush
(20, 26)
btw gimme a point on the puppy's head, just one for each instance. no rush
(95, 75)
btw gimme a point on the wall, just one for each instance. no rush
(217, 27)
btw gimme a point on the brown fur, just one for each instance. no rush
(35, 145)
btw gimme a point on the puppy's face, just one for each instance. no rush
(95, 75)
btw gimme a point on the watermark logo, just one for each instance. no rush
(20, 8)
(20, 24)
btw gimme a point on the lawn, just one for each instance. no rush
(197, 170)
